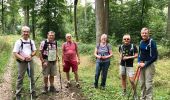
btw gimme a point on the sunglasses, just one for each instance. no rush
(126, 39)
(26, 31)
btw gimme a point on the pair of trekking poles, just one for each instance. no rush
(136, 79)
(29, 75)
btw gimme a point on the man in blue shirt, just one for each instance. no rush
(147, 56)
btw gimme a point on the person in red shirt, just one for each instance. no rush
(70, 59)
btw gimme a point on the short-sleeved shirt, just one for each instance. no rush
(69, 51)
(52, 45)
(103, 51)
(26, 49)
(127, 50)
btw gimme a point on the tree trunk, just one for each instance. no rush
(33, 21)
(75, 19)
(106, 16)
(168, 22)
(48, 12)
(26, 15)
(142, 13)
(100, 25)
(2, 19)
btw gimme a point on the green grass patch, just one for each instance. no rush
(161, 83)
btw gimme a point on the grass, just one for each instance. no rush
(5, 52)
(161, 83)
(87, 71)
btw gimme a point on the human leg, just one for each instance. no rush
(105, 68)
(97, 74)
(149, 74)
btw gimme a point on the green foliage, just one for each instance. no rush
(86, 48)
(50, 17)
(5, 51)
(86, 26)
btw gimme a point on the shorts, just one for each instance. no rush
(72, 64)
(50, 69)
(129, 71)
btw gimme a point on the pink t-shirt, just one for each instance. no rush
(69, 51)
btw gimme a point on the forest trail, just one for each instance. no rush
(71, 93)
(6, 81)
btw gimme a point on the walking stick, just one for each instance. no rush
(137, 74)
(59, 71)
(29, 75)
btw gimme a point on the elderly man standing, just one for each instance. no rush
(24, 50)
(48, 57)
(128, 52)
(147, 56)
(70, 59)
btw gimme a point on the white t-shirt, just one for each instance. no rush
(26, 50)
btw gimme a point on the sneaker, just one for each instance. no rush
(78, 85)
(68, 84)
(18, 97)
(45, 90)
(53, 89)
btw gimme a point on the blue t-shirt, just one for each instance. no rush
(103, 51)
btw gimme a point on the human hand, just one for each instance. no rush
(141, 65)
(125, 57)
(45, 64)
(78, 61)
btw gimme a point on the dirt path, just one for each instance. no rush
(6, 84)
(72, 93)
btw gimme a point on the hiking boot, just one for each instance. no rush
(53, 89)
(68, 84)
(135, 97)
(45, 90)
(34, 94)
(124, 92)
(102, 88)
(18, 97)
(78, 85)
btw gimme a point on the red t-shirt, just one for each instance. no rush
(69, 51)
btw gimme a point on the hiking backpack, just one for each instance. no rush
(149, 45)
(131, 49)
(46, 46)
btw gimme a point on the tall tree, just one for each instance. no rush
(75, 19)
(168, 22)
(33, 18)
(106, 7)
(2, 19)
(100, 17)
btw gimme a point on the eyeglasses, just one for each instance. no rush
(126, 39)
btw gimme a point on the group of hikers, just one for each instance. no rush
(24, 50)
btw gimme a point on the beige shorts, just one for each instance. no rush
(129, 71)
(50, 69)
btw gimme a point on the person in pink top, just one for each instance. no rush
(70, 59)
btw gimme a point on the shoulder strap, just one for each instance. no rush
(150, 44)
(31, 46)
(121, 48)
(132, 48)
(108, 48)
(21, 44)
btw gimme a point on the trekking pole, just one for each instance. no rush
(59, 71)
(29, 75)
(136, 76)
(136, 83)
